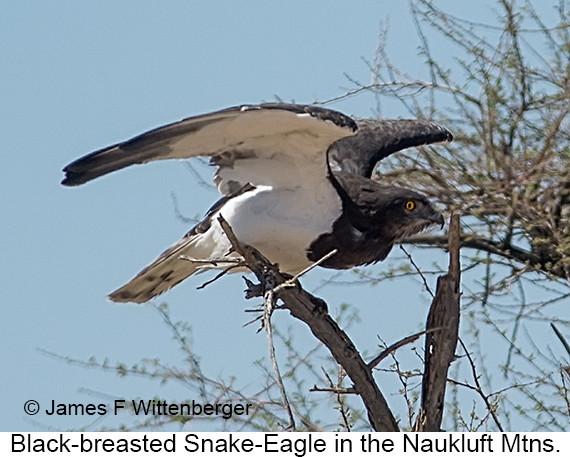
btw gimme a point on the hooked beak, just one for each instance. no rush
(437, 218)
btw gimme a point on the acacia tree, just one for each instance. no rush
(505, 97)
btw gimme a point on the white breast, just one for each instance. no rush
(282, 223)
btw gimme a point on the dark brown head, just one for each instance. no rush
(395, 212)
(374, 217)
(402, 213)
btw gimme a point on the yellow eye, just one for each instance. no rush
(410, 205)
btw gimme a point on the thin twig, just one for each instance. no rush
(397, 345)
(339, 392)
(561, 338)
(418, 270)
(479, 389)
(344, 391)
(254, 319)
(291, 282)
(218, 276)
(215, 261)
(268, 306)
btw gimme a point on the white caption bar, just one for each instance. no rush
(287, 444)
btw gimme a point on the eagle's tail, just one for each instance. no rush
(189, 255)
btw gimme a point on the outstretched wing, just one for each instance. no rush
(270, 144)
(377, 139)
(247, 142)
(272, 172)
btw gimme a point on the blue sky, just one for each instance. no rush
(79, 76)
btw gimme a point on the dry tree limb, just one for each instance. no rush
(215, 261)
(334, 390)
(441, 344)
(313, 312)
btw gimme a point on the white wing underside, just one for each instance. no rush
(248, 145)
(282, 154)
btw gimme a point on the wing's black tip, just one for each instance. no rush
(81, 170)
(76, 177)
(100, 163)
(445, 135)
(71, 179)
(377, 139)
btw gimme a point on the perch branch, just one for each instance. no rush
(313, 312)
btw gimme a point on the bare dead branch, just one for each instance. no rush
(336, 390)
(499, 248)
(236, 261)
(313, 312)
(440, 345)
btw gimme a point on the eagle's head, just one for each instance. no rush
(374, 217)
(403, 213)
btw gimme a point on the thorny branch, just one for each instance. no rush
(479, 389)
